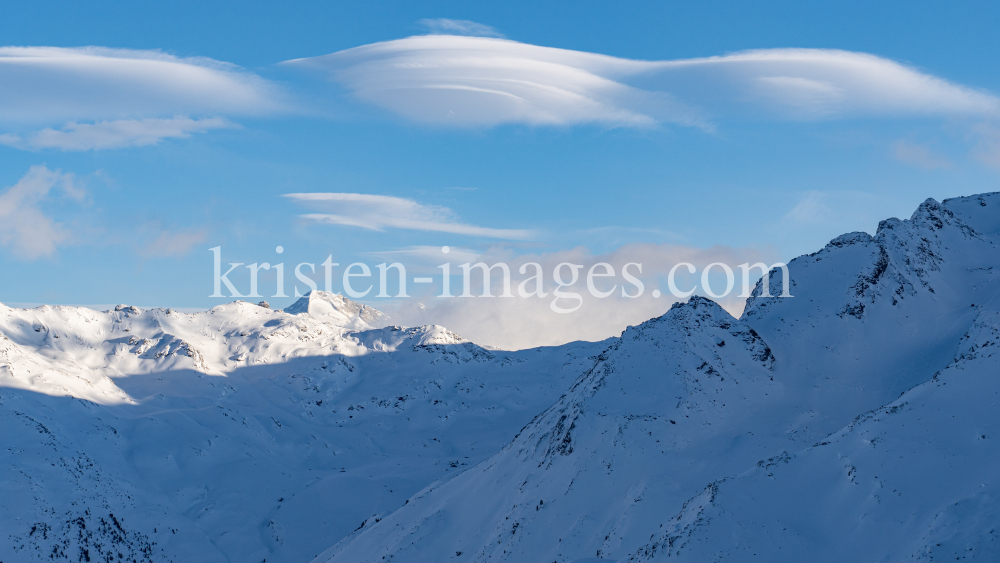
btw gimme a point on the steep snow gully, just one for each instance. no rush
(854, 422)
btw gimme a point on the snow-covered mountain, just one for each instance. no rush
(241, 433)
(854, 421)
(792, 434)
(339, 310)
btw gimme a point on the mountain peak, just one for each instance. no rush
(338, 309)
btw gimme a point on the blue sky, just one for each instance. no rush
(152, 159)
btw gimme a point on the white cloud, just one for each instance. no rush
(446, 26)
(113, 98)
(919, 156)
(483, 81)
(379, 212)
(467, 81)
(24, 227)
(54, 84)
(519, 322)
(817, 83)
(113, 134)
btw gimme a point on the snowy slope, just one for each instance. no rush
(913, 480)
(631, 458)
(241, 433)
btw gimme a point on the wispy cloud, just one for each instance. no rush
(379, 212)
(469, 81)
(113, 134)
(988, 146)
(174, 243)
(427, 258)
(919, 156)
(835, 212)
(446, 26)
(24, 227)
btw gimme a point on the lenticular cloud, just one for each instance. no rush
(486, 81)
(481, 81)
(51, 84)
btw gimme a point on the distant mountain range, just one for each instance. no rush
(856, 421)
